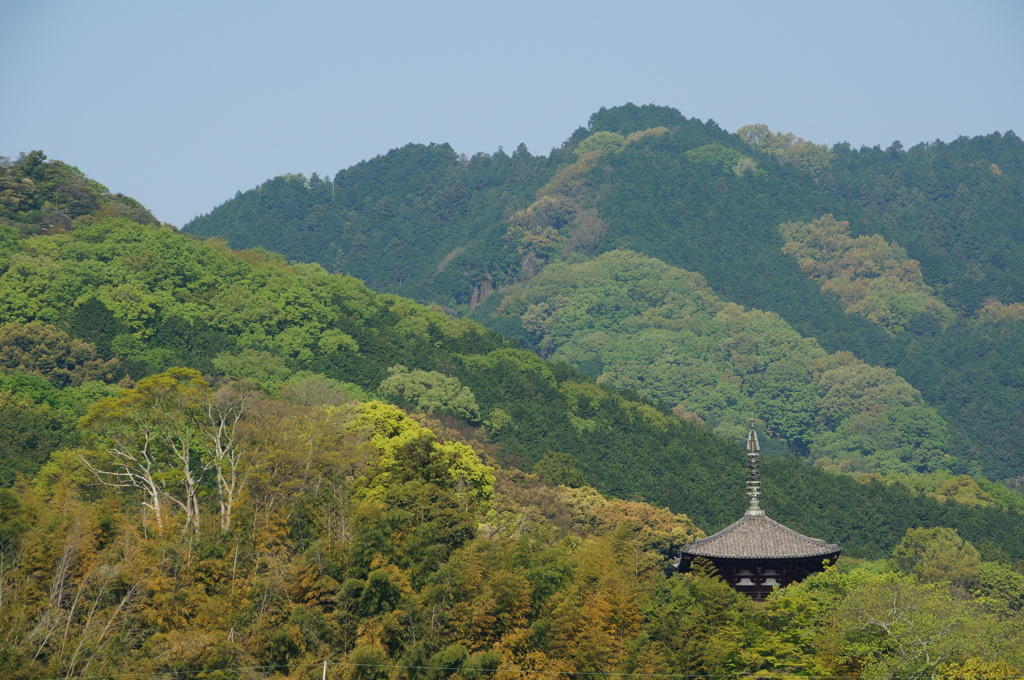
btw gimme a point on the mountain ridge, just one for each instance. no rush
(711, 202)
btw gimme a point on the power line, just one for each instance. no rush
(596, 674)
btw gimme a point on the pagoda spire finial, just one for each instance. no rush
(753, 471)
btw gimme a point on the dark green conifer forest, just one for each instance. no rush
(447, 416)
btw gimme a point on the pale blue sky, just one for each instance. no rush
(180, 104)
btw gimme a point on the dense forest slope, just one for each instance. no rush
(113, 300)
(147, 299)
(638, 323)
(923, 273)
(218, 464)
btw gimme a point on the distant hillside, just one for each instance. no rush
(422, 222)
(111, 300)
(415, 220)
(637, 323)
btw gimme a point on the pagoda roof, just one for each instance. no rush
(757, 536)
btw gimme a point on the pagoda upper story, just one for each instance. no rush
(756, 554)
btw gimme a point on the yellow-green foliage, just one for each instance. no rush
(405, 448)
(562, 220)
(937, 555)
(610, 142)
(994, 310)
(657, 529)
(813, 159)
(379, 566)
(976, 492)
(871, 277)
(649, 132)
(47, 351)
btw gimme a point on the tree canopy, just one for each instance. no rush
(202, 476)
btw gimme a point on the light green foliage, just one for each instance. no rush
(976, 668)
(900, 627)
(794, 633)
(260, 367)
(407, 450)
(499, 421)
(416, 321)
(657, 529)
(937, 555)
(63, 468)
(141, 278)
(131, 304)
(637, 323)
(79, 398)
(863, 624)
(563, 220)
(130, 268)
(542, 229)
(976, 492)
(966, 491)
(657, 131)
(871, 278)
(743, 166)
(700, 617)
(314, 389)
(28, 291)
(617, 290)
(760, 137)
(848, 387)
(430, 392)
(613, 142)
(1003, 586)
(1003, 496)
(333, 340)
(899, 439)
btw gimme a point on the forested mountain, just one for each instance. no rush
(920, 265)
(636, 322)
(143, 300)
(219, 464)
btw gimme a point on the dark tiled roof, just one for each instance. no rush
(759, 537)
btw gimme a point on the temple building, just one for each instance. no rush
(757, 554)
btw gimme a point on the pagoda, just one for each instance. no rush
(756, 554)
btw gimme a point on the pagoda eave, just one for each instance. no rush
(758, 577)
